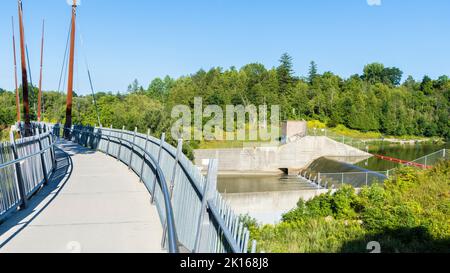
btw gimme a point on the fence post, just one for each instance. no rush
(161, 143)
(143, 155)
(20, 182)
(120, 143)
(53, 140)
(172, 184)
(86, 136)
(109, 140)
(41, 148)
(367, 178)
(132, 148)
(342, 179)
(253, 251)
(208, 193)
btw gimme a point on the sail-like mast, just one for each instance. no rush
(26, 103)
(68, 124)
(15, 71)
(40, 76)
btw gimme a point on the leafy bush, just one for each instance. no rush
(409, 213)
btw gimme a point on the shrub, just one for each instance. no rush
(409, 213)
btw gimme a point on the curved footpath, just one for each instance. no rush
(92, 204)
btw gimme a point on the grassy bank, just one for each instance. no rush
(409, 213)
(339, 130)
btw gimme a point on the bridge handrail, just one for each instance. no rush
(213, 211)
(171, 153)
(230, 232)
(44, 150)
(16, 187)
(172, 237)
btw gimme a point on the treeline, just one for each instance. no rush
(376, 100)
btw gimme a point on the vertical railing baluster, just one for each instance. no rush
(208, 191)
(20, 181)
(132, 148)
(109, 140)
(161, 144)
(172, 185)
(41, 148)
(120, 143)
(143, 156)
(253, 246)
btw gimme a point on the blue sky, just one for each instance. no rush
(143, 39)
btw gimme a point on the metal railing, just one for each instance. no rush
(25, 166)
(353, 142)
(187, 200)
(434, 158)
(367, 178)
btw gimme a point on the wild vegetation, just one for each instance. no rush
(409, 213)
(375, 101)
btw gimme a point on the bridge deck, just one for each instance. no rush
(92, 204)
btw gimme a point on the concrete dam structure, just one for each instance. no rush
(289, 157)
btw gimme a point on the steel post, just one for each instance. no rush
(161, 144)
(208, 193)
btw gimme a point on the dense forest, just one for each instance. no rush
(376, 100)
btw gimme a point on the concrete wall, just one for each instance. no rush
(292, 130)
(268, 207)
(295, 155)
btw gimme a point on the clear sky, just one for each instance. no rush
(143, 39)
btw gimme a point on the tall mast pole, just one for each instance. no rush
(40, 77)
(15, 72)
(26, 103)
(68, 124)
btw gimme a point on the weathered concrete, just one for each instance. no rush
(97, 206)
(295, 155)
(268, 207)
(293, 130)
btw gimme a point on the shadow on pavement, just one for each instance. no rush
(57, 181)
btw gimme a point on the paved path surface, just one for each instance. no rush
(93, 204)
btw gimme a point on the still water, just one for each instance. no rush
(404, 152)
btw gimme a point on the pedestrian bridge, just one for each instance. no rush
(106, 190)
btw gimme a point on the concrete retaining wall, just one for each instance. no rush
(296, 155)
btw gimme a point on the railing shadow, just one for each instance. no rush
(21, 219)
(72, 148)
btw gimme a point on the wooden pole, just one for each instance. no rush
(40, 76)
(71, 62)
(26, 103)
(15, 72)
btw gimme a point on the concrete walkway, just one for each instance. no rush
(93, 204)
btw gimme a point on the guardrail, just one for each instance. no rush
(188, 200)
(25, 166)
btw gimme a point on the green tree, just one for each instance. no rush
(285, 73)
(312, 74)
